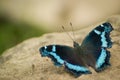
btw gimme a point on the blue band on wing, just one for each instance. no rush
(101, 59)
(103, 40)
(76, 67)
(59, 60)
(53, 55)
(54, 48)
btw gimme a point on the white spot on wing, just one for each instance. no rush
(45, 47)
(102, 25)
(101, 58)
(97, 32)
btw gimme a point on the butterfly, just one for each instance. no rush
(91, 53)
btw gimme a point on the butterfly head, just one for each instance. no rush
(75, 44)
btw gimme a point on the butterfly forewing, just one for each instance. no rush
(67, 56)
(95, 46)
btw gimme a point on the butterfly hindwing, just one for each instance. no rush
(95, 46)
(67, 56)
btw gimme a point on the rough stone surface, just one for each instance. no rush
(23, 62)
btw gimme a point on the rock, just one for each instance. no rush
(23, 62)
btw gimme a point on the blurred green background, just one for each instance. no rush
(23, 19)
(12, 33)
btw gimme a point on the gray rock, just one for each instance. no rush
(23, 62)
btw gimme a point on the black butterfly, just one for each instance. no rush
(92, 52)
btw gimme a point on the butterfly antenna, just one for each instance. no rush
(67, 33)
(72, 30)
(75, 44)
